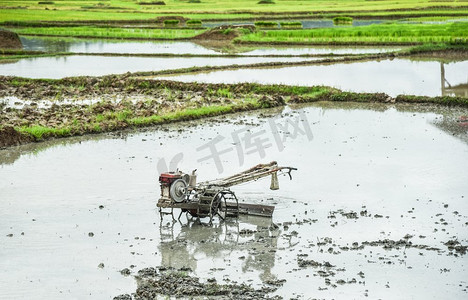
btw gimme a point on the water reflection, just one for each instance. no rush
(201, 47)
(76, 65)
(253, 239)
(10, 155)
(46, 44)
(60, 44)
(448, 89)
(391, 76)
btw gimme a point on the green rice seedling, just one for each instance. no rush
(124, 115)
(194, 23)
(111, 32)
(152, 3)
(266, 24)
(394, 33)
(39, 132)
(96, 128)
(171, 23)
(224, 93)
(342, 20)
(227, 31)
(100, 118)
(295, 24)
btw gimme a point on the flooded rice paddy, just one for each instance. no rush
(376, 209)
(391, 76)
(379, 193)
(76, 45)
(89, 65)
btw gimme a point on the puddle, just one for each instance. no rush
(18, 103)
(75, 65)
(75, 212)
(145, 47)
(394, 77)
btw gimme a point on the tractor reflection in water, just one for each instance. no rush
(252, 240)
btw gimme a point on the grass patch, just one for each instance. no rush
(266, 24)
(171, 23)
(426, 48)
(295, 24)
(40, 132)
(187, 114)
(444, 100)
(372, 34)
(222, 92)
(194, 23)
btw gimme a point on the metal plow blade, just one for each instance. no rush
(254, 209)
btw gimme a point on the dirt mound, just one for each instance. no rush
(10, 137)
(224, 32)
(271, 101)
(9, 40)
(154, 282)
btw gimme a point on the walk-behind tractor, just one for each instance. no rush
(214, 197)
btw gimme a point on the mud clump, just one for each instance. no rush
(388, 244)
(10, 137)
(269, 101)
(224, 32)
(153, 282)
(303, 263)
(9, 40)
(454, 245)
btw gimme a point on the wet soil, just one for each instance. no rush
(10, 137)
(9, 40)
(154, 282)
(68, 103)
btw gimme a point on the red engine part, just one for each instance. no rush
(168, 178)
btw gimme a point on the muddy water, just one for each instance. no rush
(67, 66)
(75, 212)
(140, 47)
(394, 77)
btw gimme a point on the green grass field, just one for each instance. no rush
(67, 10)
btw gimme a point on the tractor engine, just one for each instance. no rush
(175, 187)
